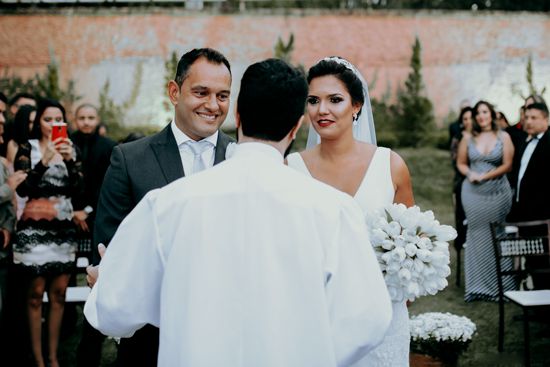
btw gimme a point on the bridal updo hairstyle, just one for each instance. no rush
(352, 82)
(476, 129)
(271, 99)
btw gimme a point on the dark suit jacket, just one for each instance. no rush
(95, 152)
(534, 194)
(137, 168)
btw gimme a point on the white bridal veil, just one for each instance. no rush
(363, 127)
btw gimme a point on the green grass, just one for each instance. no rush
(432, 179)
(432, 175)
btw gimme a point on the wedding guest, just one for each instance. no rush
(19, 100)
(16, 102)
(484, 158)
(249, 263)
(22, 126)
(44, 245)
(8, 184)
(95, 151)
(531, 179)
(456, 128)
(348, 159)
(502, 121)
(465, 121)
(200, 96)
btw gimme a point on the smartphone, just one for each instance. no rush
(59, 130)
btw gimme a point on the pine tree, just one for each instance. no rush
(282, 51)
(415, 117)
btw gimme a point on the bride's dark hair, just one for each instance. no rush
(344, 74)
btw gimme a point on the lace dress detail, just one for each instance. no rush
(45, 242)
(376, 191)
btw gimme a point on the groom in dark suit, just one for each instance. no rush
(190, 143)
(531, 176)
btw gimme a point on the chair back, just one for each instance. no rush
(518, 240)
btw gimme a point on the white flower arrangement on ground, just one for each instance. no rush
(441, 335)
(412, 249)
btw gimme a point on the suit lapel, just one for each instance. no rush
(221, 146)
(538, 153)
(168, 156)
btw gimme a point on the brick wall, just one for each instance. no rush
(465, 55)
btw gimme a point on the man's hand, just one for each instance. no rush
(7, 236)
(15, 179)
(79, 217)
(93, 271)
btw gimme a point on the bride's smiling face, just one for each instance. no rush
(330, 106)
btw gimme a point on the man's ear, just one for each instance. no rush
(237, 120)
(295, 129)
(173, 92)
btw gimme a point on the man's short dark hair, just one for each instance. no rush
(3, 98)
(16, 97)
(190, 57)
(538, 106)
(271, 100)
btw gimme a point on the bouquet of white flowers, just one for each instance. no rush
(441, 335)
(412, 249)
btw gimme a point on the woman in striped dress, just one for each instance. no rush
(484, 157)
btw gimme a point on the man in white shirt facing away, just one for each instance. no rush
(250, 263)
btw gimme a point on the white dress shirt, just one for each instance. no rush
(187, 156)
(247, 264)
(525, 158)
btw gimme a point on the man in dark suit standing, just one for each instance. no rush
(190, 143)
(95, 151)
(531, 176)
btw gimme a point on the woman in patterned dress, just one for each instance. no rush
(484, 157)
(45, 239)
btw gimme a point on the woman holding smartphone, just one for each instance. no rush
(45, 243)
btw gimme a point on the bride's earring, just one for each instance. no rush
(354, 119)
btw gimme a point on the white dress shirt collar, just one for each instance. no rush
(181, 137)
(255, 148)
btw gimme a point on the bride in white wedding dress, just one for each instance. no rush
(342, 152)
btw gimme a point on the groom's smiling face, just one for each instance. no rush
(202, 102)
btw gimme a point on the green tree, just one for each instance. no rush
(530, 82)
(170, 67)
(284, 51)
(46, 85)
(414, 111)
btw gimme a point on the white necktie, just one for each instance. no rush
(198, 147)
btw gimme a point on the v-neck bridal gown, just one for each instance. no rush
(376, 191)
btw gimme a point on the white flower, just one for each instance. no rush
(409, 219)
(412, 250)
(393, 229)
(424, 255)
(377, 235)
(398, 254)
(388, 245)
(404, 274)
(395, 211)
(445, 233)
(441, 327)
